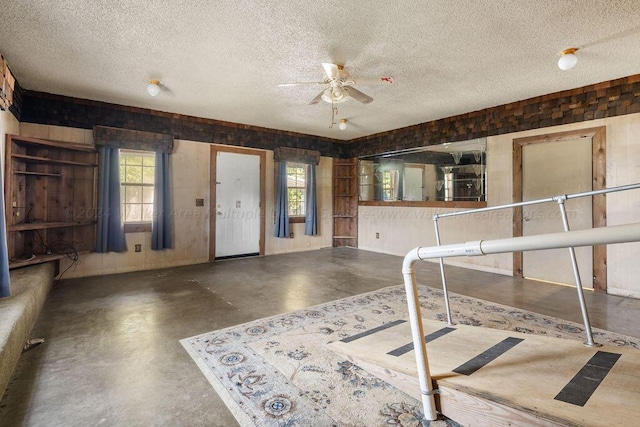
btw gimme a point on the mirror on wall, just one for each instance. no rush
(453, 171)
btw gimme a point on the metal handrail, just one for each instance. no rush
(560, 200)
(567, 239)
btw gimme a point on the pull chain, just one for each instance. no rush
(334, 113)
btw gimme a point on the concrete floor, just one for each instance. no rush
(112, 355)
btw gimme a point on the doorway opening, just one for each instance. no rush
(597, 136)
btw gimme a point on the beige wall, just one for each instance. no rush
(402, 229)
(190, 180)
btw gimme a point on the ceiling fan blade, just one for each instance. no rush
(301, 84)
(317, 98)
(332, 70)
(370, 80)
(357, 95)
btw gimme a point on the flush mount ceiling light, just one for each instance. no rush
(343, 124)
(153, 88)
(568, 59)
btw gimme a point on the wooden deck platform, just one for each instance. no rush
(490, 377)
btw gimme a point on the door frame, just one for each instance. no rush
(599, 202)
(212, 199)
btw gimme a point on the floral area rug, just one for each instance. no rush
(277, 371)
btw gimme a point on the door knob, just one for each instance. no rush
(526, 218)
(219, 213)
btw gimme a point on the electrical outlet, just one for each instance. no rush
(291, 235)
(199, 202)
(377, 235)
(138, 247)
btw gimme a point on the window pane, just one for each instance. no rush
(149, 160)
(148, 175)
(147, 195)
(132, 212)
(133, 174)
(147, 212)
(132, 194)
(123, 170)
(133, 159)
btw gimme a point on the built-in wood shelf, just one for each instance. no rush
(37, 259)
(40, 225)
(345, 202)
(37, 173)
(46, 160)
(50, 198)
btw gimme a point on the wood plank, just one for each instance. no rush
(36, 173)
(425, 204)
(37, 259)
(599, 207)
(36, 159)
(517, 388)
(40, 225)
(29, 141)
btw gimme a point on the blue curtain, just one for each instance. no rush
(110, 232)
(311, 204)
(4, 255)
(281, 228)
(161, 236)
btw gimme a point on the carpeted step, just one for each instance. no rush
(18, 313)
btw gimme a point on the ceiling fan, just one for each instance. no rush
(340, 85)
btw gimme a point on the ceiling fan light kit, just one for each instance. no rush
(568, 59)
(340, 85)
(153, 88)
(343, 124)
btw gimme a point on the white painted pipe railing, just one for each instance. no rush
(560, 200)
(595, 236)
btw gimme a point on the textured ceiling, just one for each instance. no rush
(224, 59)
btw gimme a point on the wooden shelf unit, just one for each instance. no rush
(50, 197)
(345, 202)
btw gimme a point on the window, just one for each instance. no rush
(137, 170)
(296, 189)
(389, 185)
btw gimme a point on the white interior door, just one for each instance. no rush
(413, 183)
(550, 169)
(237, 204)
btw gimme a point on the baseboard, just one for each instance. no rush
(623, 292)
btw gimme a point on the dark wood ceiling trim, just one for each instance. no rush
(597, 101)
(50, 109)
(606, 99)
